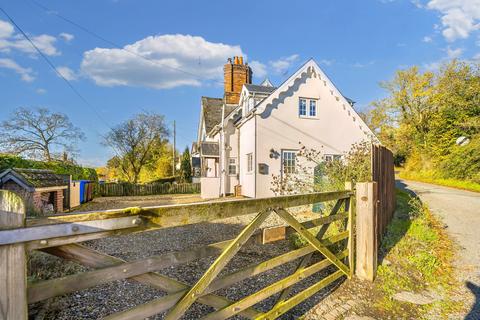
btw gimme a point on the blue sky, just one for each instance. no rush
(357, 43)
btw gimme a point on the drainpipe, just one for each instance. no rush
(222, 154)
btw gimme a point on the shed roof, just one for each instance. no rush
(35, 178)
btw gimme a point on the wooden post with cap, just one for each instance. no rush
(366, 230)
(13, 266)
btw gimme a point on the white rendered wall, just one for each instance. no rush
(333, 131)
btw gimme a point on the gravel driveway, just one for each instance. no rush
(460, 211)
(115, 296)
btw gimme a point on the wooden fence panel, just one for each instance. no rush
(130, 189)
(383, 174)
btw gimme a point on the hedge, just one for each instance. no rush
(77, 172)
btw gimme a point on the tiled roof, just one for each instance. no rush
(36, 178)
(212, 111)
(260, 89)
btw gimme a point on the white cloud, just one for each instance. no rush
(67, 73)
(454, 53)
(41, 91)
(9, 40)
(175, 60)
(281, 66)
(427, 39)
(26, 74)
(327, 62)
(459, 17)
(259, 69)
(67, 37)
(363, 65)
(6, 29)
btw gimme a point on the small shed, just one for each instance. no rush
(43, 190)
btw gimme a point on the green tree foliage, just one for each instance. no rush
(186, 166)
(424, 114)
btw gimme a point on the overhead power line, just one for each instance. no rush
(116, 45)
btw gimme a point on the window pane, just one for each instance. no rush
(288, 162)
(302, 107)
(232, 166)
(313, 108)
(249, 162)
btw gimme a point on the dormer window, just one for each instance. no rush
(307, 108)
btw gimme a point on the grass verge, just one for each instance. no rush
(429, 178)
(417, 257)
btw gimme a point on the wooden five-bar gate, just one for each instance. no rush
(60, 236)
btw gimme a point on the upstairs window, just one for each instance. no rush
(313, 108)
(302, 108)
(307, 108)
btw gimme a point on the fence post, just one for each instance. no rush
(367, 246)
(13, 267)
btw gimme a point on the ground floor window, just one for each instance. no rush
(331, 157)
(249, 162)
(288, 161)
(232, 166)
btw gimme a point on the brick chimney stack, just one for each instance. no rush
(236, 74)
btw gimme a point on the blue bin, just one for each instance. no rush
(83, 190)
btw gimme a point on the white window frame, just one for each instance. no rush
(291, 152)
(249, 162)
(300, 107)
(232, 163)
(331, 157)
(308, 108)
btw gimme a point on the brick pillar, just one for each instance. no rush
(37, 201)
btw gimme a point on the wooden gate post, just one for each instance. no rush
(13, 267)
(367, 246)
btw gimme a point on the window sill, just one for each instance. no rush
(309, 117)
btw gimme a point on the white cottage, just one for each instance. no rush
(254, 131)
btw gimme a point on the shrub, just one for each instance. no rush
(77, 172)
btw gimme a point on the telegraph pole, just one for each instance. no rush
(174, 146)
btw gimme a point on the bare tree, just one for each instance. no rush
(39, 133)
(135, 142)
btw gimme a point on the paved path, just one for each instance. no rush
(460, 211)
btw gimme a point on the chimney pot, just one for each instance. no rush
(241, 59)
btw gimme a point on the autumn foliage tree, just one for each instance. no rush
(136, 142)
(424, 114)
